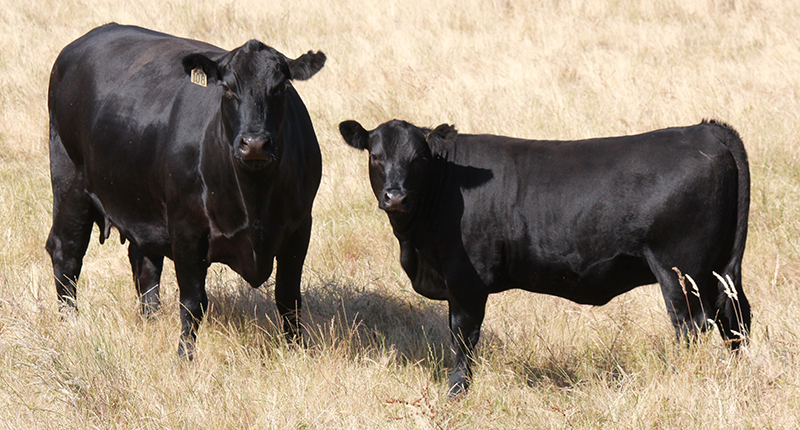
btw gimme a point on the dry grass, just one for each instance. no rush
(555, 69)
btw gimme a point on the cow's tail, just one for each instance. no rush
(732, 305)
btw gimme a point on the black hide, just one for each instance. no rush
(225, 172)
(585, 220)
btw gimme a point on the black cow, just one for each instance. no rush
(192, 152)
(586, 220)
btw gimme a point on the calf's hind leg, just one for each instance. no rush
(146, 275)
(732, 310)
(688, 313)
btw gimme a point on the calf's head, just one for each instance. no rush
(400, 156)
(252, 81)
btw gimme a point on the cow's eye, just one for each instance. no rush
(280, 88)
(227, 91)
(374, 159)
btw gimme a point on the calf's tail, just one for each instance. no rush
(732, 305)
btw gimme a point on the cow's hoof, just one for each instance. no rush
(67, 310)
(296, 341)
(458, 386)
(149, 307)
(186, 350)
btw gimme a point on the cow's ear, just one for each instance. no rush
(306, 65)
(440, 137)
(200, 61)
(354, 134)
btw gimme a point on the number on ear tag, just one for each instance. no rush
(199, 77)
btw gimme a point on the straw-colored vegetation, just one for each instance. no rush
(378, 353)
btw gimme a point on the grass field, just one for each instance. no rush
(378, 354)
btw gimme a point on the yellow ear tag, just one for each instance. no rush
(199, 77)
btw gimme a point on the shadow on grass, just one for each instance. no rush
(375, 322)
(360, 320)
(608, 358)
(561, 375)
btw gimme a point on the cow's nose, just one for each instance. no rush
(393, 200)
(253, 148)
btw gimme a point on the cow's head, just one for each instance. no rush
(400, 157)
(252, 81)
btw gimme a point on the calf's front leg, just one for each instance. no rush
(467, 309)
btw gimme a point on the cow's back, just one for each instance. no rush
(115, 78)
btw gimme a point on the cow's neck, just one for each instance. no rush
(242, 197)
(420, 224)
(256, 188)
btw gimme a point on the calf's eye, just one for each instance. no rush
(280, 88)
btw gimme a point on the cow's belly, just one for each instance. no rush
(137, 220)
(153, 238)
(520, 250)
(596, 285)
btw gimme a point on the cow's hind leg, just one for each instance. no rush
(287, 279)
(73, 216)
(147, 276)
(688, 312)
(69, 237)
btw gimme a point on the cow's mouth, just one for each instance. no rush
(255, 157)
(256, 164)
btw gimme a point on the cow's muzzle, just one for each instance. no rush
(256, 148)
(393, 200)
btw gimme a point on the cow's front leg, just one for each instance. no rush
(190, 269)
(287, 279)
(193, 302)
(467, 309)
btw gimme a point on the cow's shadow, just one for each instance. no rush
(365, 321)
(357, 319)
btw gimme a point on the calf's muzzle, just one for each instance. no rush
(392, 200)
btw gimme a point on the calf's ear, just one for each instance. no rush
(440, 136)
(200, 61)
(354, 134)
(306, 65)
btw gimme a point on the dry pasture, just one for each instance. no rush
(378, 353)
